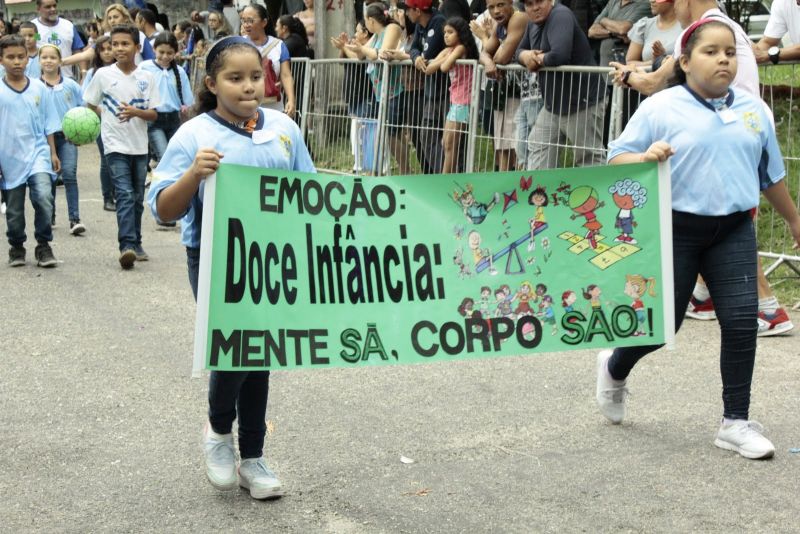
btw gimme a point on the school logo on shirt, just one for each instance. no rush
(752, 122)
(286, 143)
(54, 39)
(142, 85)
(36, 100)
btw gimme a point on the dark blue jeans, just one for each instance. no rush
(105, 176)
(40, 187)
(232, 392)
(128, 174)
(161, 130)
(68, 154)
(723, 250)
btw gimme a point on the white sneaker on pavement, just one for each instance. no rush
(610, 394)
(746, 438)
(256, 476)
(220, 459)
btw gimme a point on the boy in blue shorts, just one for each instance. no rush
(125, 97)
(27, 153)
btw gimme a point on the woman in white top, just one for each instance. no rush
(255, 26)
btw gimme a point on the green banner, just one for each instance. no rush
(310, 270)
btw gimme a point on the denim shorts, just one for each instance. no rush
(458, 113)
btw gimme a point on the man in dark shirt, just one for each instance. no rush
(572, 101)
(500, 35)
(612, 25)
(427, 43)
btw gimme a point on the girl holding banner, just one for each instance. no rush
(722, 149)
(230, 125)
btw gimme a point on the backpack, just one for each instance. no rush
(272, 88)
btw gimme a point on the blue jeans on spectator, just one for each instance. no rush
(68, 154)
(723, 250)
(128, 174)
(105, 176)
(161, 130)
(41, 194)
(524, 120)
(232, 393)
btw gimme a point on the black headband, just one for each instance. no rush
(224, 43)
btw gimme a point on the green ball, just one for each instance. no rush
(81, 126)
(580, 195)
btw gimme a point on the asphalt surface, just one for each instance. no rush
(101, 422)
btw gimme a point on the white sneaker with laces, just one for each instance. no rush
(220, 459)
(610, 396)
(255, 476)
(746, 438)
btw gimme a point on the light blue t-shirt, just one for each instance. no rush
(718, 168)
(283, 148)
(85, 83)
(168, 86)
(28, 117)
(32, 69)
(66, 95)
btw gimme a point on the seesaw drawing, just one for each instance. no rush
(512, 253)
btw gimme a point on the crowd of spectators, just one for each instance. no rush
(526, 114)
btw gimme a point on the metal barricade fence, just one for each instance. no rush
(780, 86)
(402, 121)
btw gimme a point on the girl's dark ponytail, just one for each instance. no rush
(178, 82)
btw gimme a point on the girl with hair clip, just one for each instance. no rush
(274, 55)
(103, 57)
(722, 150)
(230, 124)
(66, 94)
(175, 90)
(459, 44)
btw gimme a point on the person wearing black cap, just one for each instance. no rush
(428, 42)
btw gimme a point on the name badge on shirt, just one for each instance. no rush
(727, 116)
(262, 136)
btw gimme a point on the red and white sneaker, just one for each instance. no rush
(702, 310)
(773, 324)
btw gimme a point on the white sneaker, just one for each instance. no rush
(746, 438)
(259, 479)
(610, 396)
(220, 459)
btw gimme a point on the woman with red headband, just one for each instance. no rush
(722, 150)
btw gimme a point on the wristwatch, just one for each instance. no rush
(774, 54)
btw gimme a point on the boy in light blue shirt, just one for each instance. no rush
(27, 153)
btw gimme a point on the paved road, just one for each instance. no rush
(101, 423)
